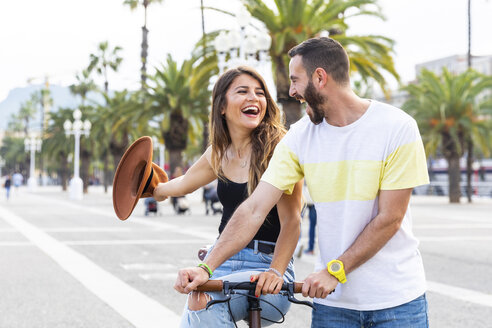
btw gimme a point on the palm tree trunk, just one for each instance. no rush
(116, 160)
(117, 150)
(469, 169)
(469, 158)
(143, 55)
(106, 171)
(176, 139)
(63, 171)
(290, 106)
(292, 111)
(454, 176)
(145, 47)
(175, 159)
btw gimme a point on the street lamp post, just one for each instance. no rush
(32, 144)
(77, 128)
(245, 47)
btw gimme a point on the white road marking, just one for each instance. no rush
(459, 293)
(463, 219)
(159, 276)
(16, 243)
(112, 242)
(136, 219)
(130, 242)
(148, 266)
(454, 238)
(169, 227)
(89, 229)
(139, 309)
(78, 229)
(441, 226)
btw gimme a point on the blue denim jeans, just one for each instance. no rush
(312, 227)
(239, 268)
(409, 315)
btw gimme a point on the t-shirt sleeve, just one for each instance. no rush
(406, 166)
(284, 170)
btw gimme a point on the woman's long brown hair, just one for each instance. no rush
(264, 137)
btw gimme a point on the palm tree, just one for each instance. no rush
(56, 145)
(145, 45)
(292, 21)
(104, 60)
(114, 126)
(180, 102)
(83, 86)
(22, 121)
(12, 151)
(450, 109)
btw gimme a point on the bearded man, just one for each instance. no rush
(360, 159)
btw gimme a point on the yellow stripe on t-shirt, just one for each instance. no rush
(405, 167)
(283, 170)
(343, 180)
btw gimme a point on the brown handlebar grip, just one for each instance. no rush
(297, 287)
(210, 286)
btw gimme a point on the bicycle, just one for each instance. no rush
(254, 309)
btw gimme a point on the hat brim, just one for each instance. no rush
(136, 177)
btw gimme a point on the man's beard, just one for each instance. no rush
(314, 100)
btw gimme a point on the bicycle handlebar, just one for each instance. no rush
(217, 286)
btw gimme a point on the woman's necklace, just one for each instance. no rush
(244, 161)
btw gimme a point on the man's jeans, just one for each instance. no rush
(409, 315)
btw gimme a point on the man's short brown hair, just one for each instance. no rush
(324, 53)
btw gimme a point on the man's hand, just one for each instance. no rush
(319, 284)
(267, 283)
(189, 279)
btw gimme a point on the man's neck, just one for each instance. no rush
(345, 107)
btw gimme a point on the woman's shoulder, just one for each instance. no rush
(208, 154)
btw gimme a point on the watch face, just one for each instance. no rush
(335, 267)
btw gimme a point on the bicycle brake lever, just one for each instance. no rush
(227, 292)
(292, 299)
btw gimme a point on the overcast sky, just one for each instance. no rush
(55, 37)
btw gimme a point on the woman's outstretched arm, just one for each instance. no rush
(198, 175)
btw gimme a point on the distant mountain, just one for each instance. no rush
(61, 98)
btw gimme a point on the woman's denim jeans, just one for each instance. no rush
(239, 268)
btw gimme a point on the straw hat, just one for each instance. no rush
(136, 177)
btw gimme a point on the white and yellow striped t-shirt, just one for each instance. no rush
(344, 168)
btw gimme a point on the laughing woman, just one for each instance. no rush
(245, 127)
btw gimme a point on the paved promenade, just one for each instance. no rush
(74, 264)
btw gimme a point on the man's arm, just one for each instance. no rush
(238, 232)
(289, 209)
(392, 206)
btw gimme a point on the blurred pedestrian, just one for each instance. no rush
(312, 220)
(17, 179)
(7, 184)
(178, 171)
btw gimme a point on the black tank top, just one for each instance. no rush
(231, 195)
